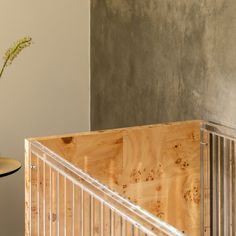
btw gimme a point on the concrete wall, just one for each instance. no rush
(46, 89)
(162, 60)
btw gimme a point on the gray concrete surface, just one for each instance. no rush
(162, 60)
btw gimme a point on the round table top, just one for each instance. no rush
(8, 166)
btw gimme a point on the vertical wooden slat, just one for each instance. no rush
(230, 187)
(123, 226)
(136, 231)
(209, 171)
(129, 229)
(214, 181)
(77, 210)
(58, 202)
(226, 187)
(205, 182)
(220, 194)
(96, 218)
(117, 219)
(69, 205)
(233, 187)
(41, 184)
(34, 196)
(207, 186)
(27, 189)
(91, 203)
(54, 203)
(73, 209)
(106, 220)
(62, 212)
(47, 200)
(101, 218)
(82, 212)
(86, 214)
(38, 197)
(211, 158)
(203, 178)
(44, 199)
(50, 201)
(112, 223)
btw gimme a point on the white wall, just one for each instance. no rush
(46, 89)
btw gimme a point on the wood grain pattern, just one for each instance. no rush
(156, 167)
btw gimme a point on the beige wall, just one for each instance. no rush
(45, 91)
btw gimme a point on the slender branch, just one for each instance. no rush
(4, 65)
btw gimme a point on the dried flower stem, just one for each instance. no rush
(13, 52)
(3, 67)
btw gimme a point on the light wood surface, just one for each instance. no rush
(156, 167)
(8, 166)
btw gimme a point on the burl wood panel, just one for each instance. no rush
(161, 173)
(157, 167)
